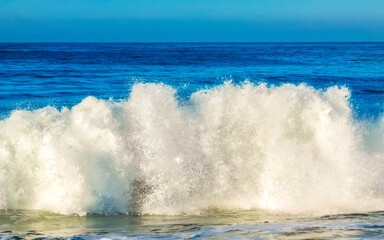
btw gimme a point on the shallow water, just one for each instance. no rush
(217, 225)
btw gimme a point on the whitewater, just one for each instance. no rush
(282, 149)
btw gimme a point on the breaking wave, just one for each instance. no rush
(291, 149)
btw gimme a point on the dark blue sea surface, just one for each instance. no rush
(33, 75)
(191, 140)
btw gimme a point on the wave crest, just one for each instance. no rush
(286, 149)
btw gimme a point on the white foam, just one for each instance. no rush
(286, 149)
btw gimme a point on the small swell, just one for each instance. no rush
(373, 91)
(44, 76)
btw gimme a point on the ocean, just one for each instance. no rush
(191, 140)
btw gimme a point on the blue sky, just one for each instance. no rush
(191, 20)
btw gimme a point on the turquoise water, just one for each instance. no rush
(191, 140)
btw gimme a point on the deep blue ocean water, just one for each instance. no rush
(33, 75)
(207, 151)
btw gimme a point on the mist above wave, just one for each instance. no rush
(287, 149)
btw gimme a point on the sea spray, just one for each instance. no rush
(287, 149)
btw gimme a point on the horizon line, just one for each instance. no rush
(192, 42)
